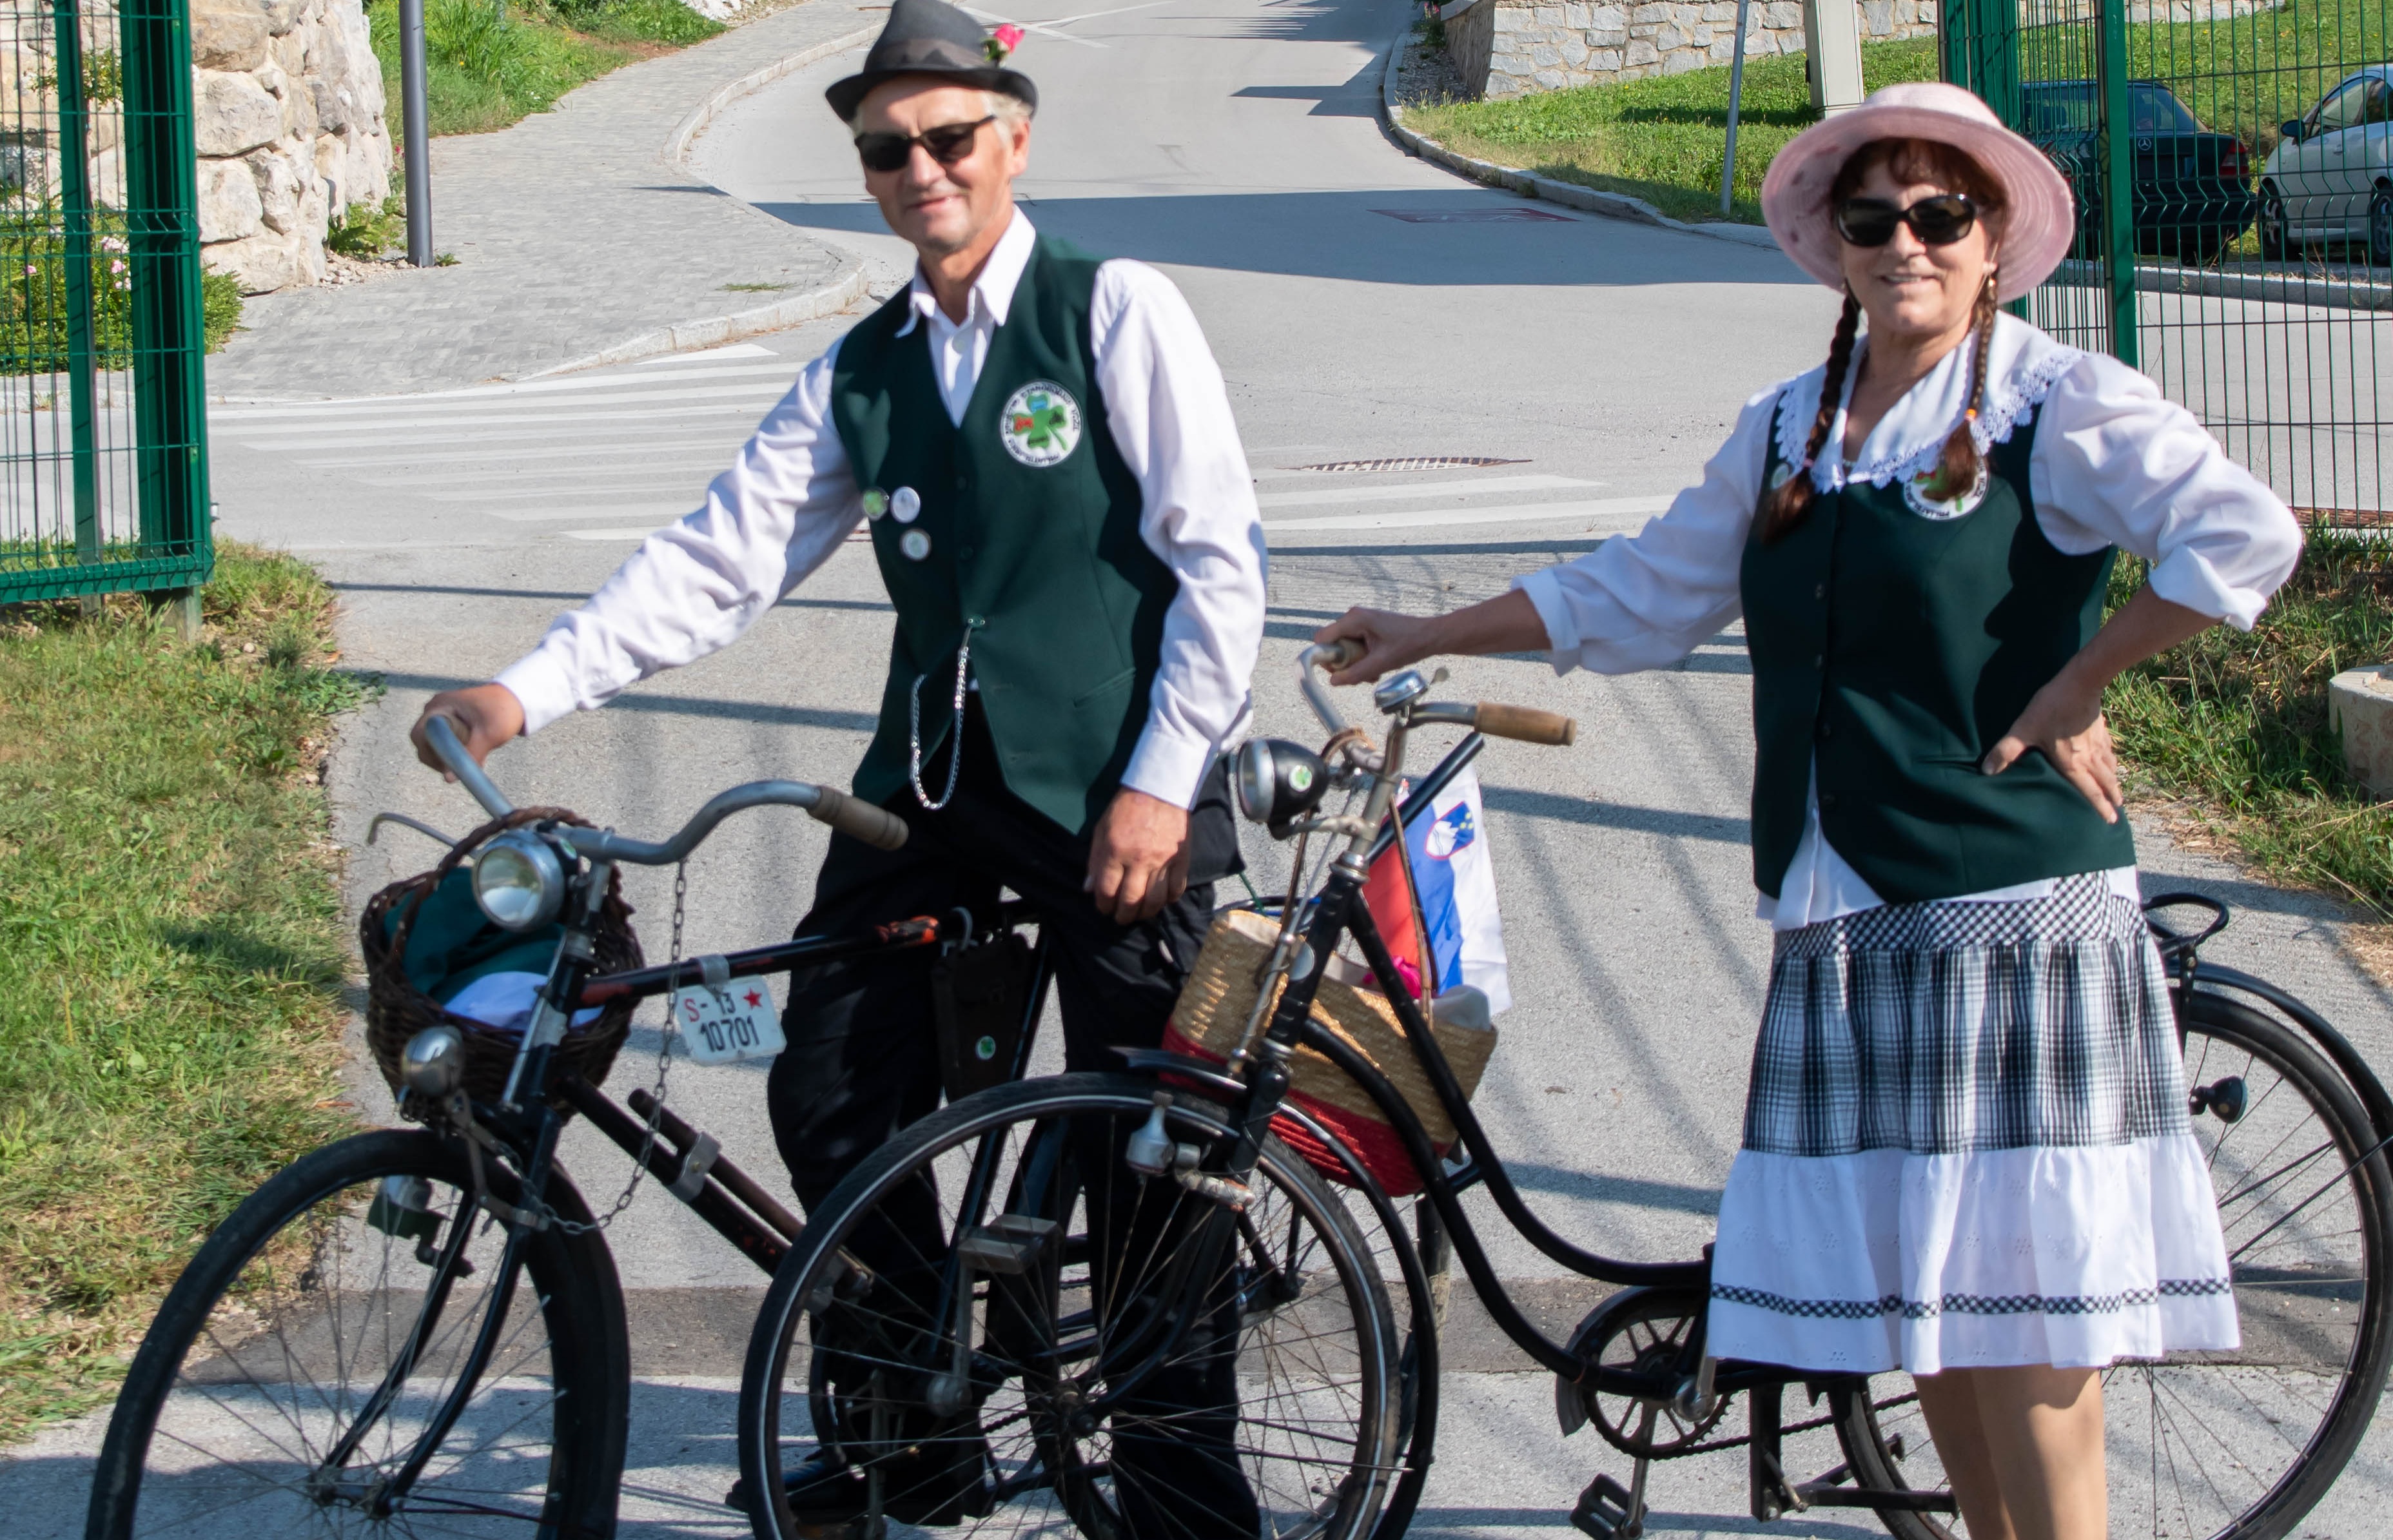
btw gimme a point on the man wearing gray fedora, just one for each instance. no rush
(1042, 447)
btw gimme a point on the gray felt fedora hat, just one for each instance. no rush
(929, 38)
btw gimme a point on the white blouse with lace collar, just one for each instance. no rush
(2114, 463)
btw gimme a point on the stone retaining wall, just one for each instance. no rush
(287, 117)
(1517, 47)
(289, 102)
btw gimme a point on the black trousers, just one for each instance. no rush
(862, 1062)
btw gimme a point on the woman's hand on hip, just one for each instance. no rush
(2065, 722)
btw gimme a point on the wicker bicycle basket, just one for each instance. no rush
(397, 1010)
(1212, 1014)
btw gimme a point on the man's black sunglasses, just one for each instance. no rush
(1937, 221)
(948, 143)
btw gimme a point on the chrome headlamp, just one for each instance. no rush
(1278, 782)
(518, 881)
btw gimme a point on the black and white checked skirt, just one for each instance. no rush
(1966, 1145)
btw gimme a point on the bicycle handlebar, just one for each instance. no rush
(1497, 720)
(1328, 655)
(859, 820)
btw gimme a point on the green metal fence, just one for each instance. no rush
(103, 451)
(2234, 164)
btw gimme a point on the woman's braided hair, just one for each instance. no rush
(1913, 160)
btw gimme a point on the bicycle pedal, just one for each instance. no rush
(1607, 1510)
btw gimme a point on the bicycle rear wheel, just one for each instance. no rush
(2235, 1445)
(1041, 1423)
(262, 1401)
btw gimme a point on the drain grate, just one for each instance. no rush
(1414, 463)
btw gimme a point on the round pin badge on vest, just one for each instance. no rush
(904, 504)
(876, 503)
(1040, 424)
(1915, 493)
(915, 544)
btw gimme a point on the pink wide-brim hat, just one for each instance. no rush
(2038, 223)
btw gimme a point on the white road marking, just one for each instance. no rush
(642, 533)
(480, 393)
(465, 411)
(736, 350)
(574, 451)
(338, 442)
(1426, 489)
(1524, 513)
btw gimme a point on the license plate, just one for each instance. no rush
(722, 1026)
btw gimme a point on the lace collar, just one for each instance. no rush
(2023, 369)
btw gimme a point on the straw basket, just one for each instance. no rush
(1212, 1013)
(397, 1010)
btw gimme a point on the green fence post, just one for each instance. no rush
(169, 380)
(2118, 179)
(75, 195)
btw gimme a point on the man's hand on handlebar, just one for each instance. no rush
(483, 715)
(1138, 858)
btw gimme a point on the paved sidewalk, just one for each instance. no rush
(574, 235)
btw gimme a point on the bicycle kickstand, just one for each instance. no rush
(1607, 1510)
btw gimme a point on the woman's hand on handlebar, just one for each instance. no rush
(483, 715)
(1506, 624)
(1390, 640)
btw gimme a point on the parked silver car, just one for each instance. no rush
(2332, 177)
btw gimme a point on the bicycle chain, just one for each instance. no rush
(664, 1066)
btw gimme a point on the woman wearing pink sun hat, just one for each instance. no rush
(1966, 1151)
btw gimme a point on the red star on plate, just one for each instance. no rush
(754, 1000)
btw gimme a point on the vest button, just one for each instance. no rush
(1819, 660)
(1827, 799)
(1821, 592)
(963, 553)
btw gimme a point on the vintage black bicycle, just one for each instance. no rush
(420, 1331)
(987, 1377)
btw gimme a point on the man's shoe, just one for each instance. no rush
(823, 1490)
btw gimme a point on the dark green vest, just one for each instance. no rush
(1896, 650)
(1032, 523)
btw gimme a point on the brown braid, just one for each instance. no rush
(1786, 504)
(1958, 468)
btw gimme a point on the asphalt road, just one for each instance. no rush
(1365, 307)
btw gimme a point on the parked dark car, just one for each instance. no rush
(2192, 185)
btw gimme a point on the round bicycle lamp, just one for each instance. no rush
(518, 881)
(434, 1061)
(1278, 782)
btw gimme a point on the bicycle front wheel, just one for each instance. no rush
(297, 1364)
(2234, 1445)
(995, 1322)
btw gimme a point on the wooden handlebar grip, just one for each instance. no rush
(875, 826)
(1528, 727)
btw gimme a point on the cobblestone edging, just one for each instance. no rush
(1616, 205)
(702, 116)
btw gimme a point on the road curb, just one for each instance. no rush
(1528, 184)
(702, 116)
(714, 331)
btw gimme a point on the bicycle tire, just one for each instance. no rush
(2316, 1305)
(257, 1309)
(1045, 1472)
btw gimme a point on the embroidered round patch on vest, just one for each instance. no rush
(1042, 425)
(1915, 492)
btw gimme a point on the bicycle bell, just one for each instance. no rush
(518, 881)
(1399, 690)
(433, 1060)
(1278, 782)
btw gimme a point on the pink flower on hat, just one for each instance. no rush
(1002, 42)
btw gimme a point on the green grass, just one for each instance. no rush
(2247, 75)
(35, 298)
(367, 233)
(2236, 723)
(1659, 139)
(171, 951)
(490, 64)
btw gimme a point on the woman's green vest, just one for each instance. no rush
(1892, 650)
(1032, 522)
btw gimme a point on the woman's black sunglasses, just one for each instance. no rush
(1937, 221)
(947, 144)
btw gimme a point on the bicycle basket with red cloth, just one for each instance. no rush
(1212, 1013)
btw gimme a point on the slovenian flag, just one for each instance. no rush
(1446, 926)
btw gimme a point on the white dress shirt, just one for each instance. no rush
(790, 498)
(2114, 464)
